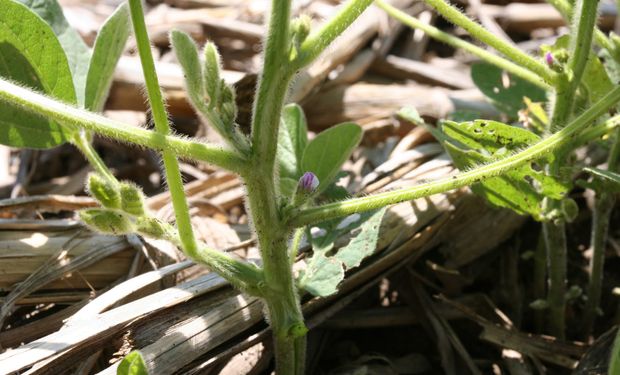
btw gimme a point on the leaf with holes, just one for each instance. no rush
(505, 90)
(31, 55)
(77, 52)
(325, 271)
(108, 48)
(522, 189)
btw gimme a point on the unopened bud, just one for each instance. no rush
(308, 183)
(104, 191)
(107, 221)
(152, 227)
(549, 59)
(132, 199)
(300, 28)
(212, 73)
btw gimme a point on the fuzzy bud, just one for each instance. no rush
(212, 73)
(107, 221)
(152, 227)
(104, 191)
(300, 29)
(132, 200)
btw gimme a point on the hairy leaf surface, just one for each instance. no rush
(108, 48)
(31, 55)
(77, 52)
(522, 189)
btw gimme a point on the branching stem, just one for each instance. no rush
(542, 148)
(455, 42)
(477, 31)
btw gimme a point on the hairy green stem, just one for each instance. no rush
(455, 42)
(82, 142)
(536, 151)
(82, 119)
(280, 292)
(555, 241)
(272, 87)
(317, 41)
(583, 23)
(160, 118)
(566, 10)
(478, 32)
(603, 206)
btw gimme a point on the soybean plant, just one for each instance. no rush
(53, 86)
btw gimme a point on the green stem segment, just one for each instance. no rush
(477, 31)
(317, 41)
(82, 119)
(455, 42)
(542, 148)
(160, 118)
(82, 142)
(583, 23)
(279, 292)
(603, 207)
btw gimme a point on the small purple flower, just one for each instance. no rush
(549, 58)
(308, 183)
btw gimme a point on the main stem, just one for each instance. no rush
(584, 21)
(603, 207)
(279, 292)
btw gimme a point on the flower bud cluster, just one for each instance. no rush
(123, 210)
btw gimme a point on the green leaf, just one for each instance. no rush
(108, 48)
(322, 276)
(187, 54)
(364, 244)
(324, 272)
(326, 153)
(77, 52)
(292, 141)
(521, 189)
(31, 54)
(503, 89)
(132, 364)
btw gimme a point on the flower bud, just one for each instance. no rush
(308, 183)
(152, 227)
(107, 221)
(549, 59)
(104, 191)
(300, 28)
(132, 200)
(212, 73)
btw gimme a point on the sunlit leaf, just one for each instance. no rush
(325, 272)
(32, 55)
(108, 48)
(326, 153)
(521, 189)
(132, 364)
